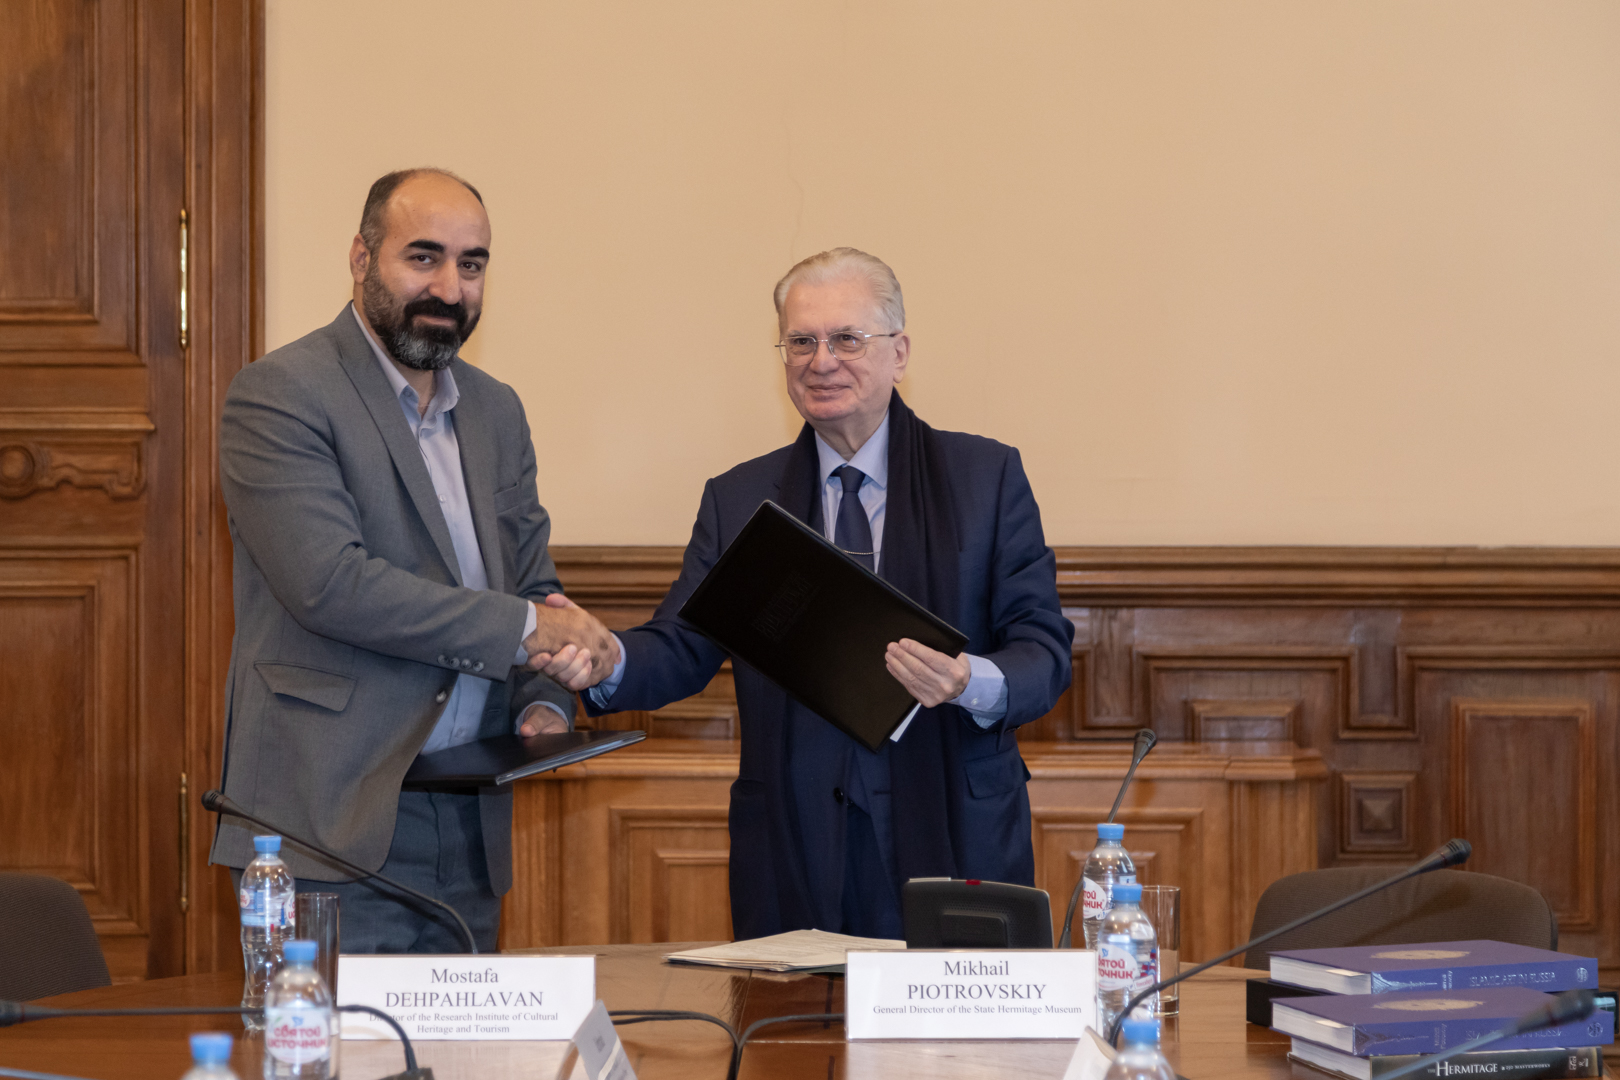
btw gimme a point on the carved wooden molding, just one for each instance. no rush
(1227, 576)
(41, 449)
(1375, 812)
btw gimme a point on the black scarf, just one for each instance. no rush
(920, 558)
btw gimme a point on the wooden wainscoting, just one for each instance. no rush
(633, 846)
(1448, 692)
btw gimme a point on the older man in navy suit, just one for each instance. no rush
(823, 831)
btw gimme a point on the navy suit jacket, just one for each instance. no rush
(786, 824)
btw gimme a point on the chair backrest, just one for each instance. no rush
(1443, 905)
(48, 944)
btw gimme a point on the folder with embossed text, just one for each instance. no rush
(815, 622)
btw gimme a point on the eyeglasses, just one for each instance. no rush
(799, 349)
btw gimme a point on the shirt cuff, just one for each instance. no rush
(985, 697)
(602, 691)
(528, 628)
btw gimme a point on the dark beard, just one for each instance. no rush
(428, 348)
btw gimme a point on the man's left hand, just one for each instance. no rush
(539, 720)
(928, 675)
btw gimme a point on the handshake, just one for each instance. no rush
(570, 644)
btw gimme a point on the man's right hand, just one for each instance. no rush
(570, 645)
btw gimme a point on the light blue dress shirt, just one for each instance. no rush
(985, 697)
(435, 435)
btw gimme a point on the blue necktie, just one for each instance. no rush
(853, 533)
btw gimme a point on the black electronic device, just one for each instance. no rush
(498, 761)
(788, 603)
(1260, 993)
(955, 913)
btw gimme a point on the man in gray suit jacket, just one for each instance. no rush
(391, 579)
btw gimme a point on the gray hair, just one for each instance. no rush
(848, 262)
(373, 226)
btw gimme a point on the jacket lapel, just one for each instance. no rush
(475, 436)
(360, 363)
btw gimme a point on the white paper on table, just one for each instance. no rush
(1091, 1058)
(792, 951)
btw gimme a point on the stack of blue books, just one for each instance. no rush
(1382, 1007)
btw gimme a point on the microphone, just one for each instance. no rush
(1145, 741)
(20, 1012)
(1564, 1008)
(1451, 853)
(219, 803)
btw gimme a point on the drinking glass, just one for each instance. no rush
(1162, 905)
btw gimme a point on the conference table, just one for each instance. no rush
(1208, 1041)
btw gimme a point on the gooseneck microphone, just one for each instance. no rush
(1145, 741)
(1564, 1008)
(217, 802)
(1451, 853)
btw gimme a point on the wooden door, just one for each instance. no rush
(108, 530)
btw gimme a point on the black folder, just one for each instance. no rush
(815, 622)
(499, 761)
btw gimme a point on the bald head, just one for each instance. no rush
(373, 218)
(418, 265)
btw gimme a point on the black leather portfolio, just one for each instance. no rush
(815, 622)
(505, 758)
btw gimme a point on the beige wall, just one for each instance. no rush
(1250, 271)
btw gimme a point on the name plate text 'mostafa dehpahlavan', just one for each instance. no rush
(501, 998)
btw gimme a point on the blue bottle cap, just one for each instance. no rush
(267, 845)
(1110, 830)
(210, 1047)
(1141, 1031)
(299, 952)
(1127, 892)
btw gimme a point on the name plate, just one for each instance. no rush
(957, 994)
(501, 998)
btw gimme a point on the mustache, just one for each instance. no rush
(432, 305)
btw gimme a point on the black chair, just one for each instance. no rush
(48, 944)
(1443, 905)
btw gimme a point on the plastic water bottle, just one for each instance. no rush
(299, 1035)
(210, 1057)
(1127, 957)
(1140, 1059)
(1108, 862)
(266, 900)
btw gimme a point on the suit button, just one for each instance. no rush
(443, 659)
(442, 696)
(478, 666)
(838, 795)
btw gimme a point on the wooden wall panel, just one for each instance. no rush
(70, 801)
(1363, 655)
(669, 873)
(69, 93)
(1547, 749)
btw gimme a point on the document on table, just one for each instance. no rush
(796, 950)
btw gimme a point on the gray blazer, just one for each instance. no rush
(351, 625)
